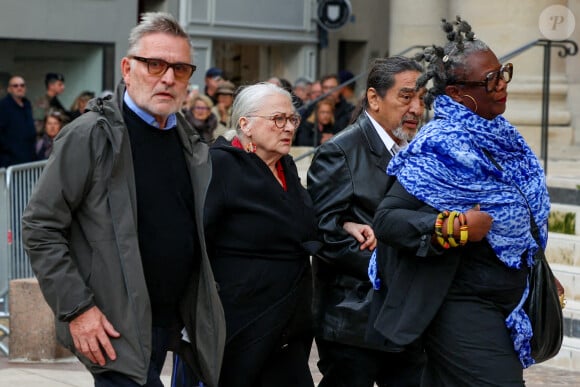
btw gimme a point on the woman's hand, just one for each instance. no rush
(362, 233)
(479, 223)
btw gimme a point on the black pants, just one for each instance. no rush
(348, 366)
(160, 346)
(468, 345)
(285, 367)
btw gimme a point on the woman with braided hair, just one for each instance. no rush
(455, 241)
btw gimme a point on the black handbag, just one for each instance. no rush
(543, 305)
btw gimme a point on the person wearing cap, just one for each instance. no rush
(212, 78)
(348, 91)
(223, 107)
(17, 132)
(54, 83)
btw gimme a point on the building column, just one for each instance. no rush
(415, 22)
(505, 27)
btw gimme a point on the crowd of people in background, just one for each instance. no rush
(27, 129)
(208, 111)
(322, 116)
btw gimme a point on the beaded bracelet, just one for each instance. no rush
(439, 229)
(450, 224)
(463, 230)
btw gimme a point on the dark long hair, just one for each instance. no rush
(381, 76)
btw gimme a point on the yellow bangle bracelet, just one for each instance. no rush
(439, 229)
(463, 230)
(450, 220)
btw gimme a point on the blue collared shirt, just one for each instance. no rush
(148, 118)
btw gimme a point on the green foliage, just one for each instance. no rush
(562, 222)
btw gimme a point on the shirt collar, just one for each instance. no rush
(145, 116)
(390, 144)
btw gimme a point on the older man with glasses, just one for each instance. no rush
(17, 132)
(114, 229)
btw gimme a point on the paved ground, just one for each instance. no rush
(72, 373)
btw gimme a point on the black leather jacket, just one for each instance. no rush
(347, 180)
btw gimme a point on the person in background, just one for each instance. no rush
(455, 231)
(347, 181)
(53, 123)
(80, 103)
(223, 108)
(342, 108)
(319, 127)
(275, 81)
(315, 90)
(201, 118)
(261, 231)
(114, 227)
(55, 86)
(212, 78)
(286, 85)
(348, 91)
(301, 90)
(17, 131)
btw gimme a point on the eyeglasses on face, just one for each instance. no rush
(15, 85)
(182, 71)
(201, 108)
(491, 79)
(280, 120)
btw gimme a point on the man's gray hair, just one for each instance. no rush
(302, 82)
(251, 98)
(154, 22)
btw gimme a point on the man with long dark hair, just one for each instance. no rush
(347, 180)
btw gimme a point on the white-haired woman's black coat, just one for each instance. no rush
(259, 240)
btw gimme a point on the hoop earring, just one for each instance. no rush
(472, 99)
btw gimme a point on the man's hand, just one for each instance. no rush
(362, 233)
(90, 332)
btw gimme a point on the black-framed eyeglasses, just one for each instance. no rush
(15, 85)
(491, 80)
(280, 120)
(182, 71)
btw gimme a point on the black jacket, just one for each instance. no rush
(347, 180)
(308, 135)
(17, 133)
(259, 239)
(415, 274)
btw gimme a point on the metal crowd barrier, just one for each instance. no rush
(20, 181)
(4, 255)
(16, 185)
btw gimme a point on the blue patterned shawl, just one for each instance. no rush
(445, 167)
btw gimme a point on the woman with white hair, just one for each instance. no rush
(260, 232)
